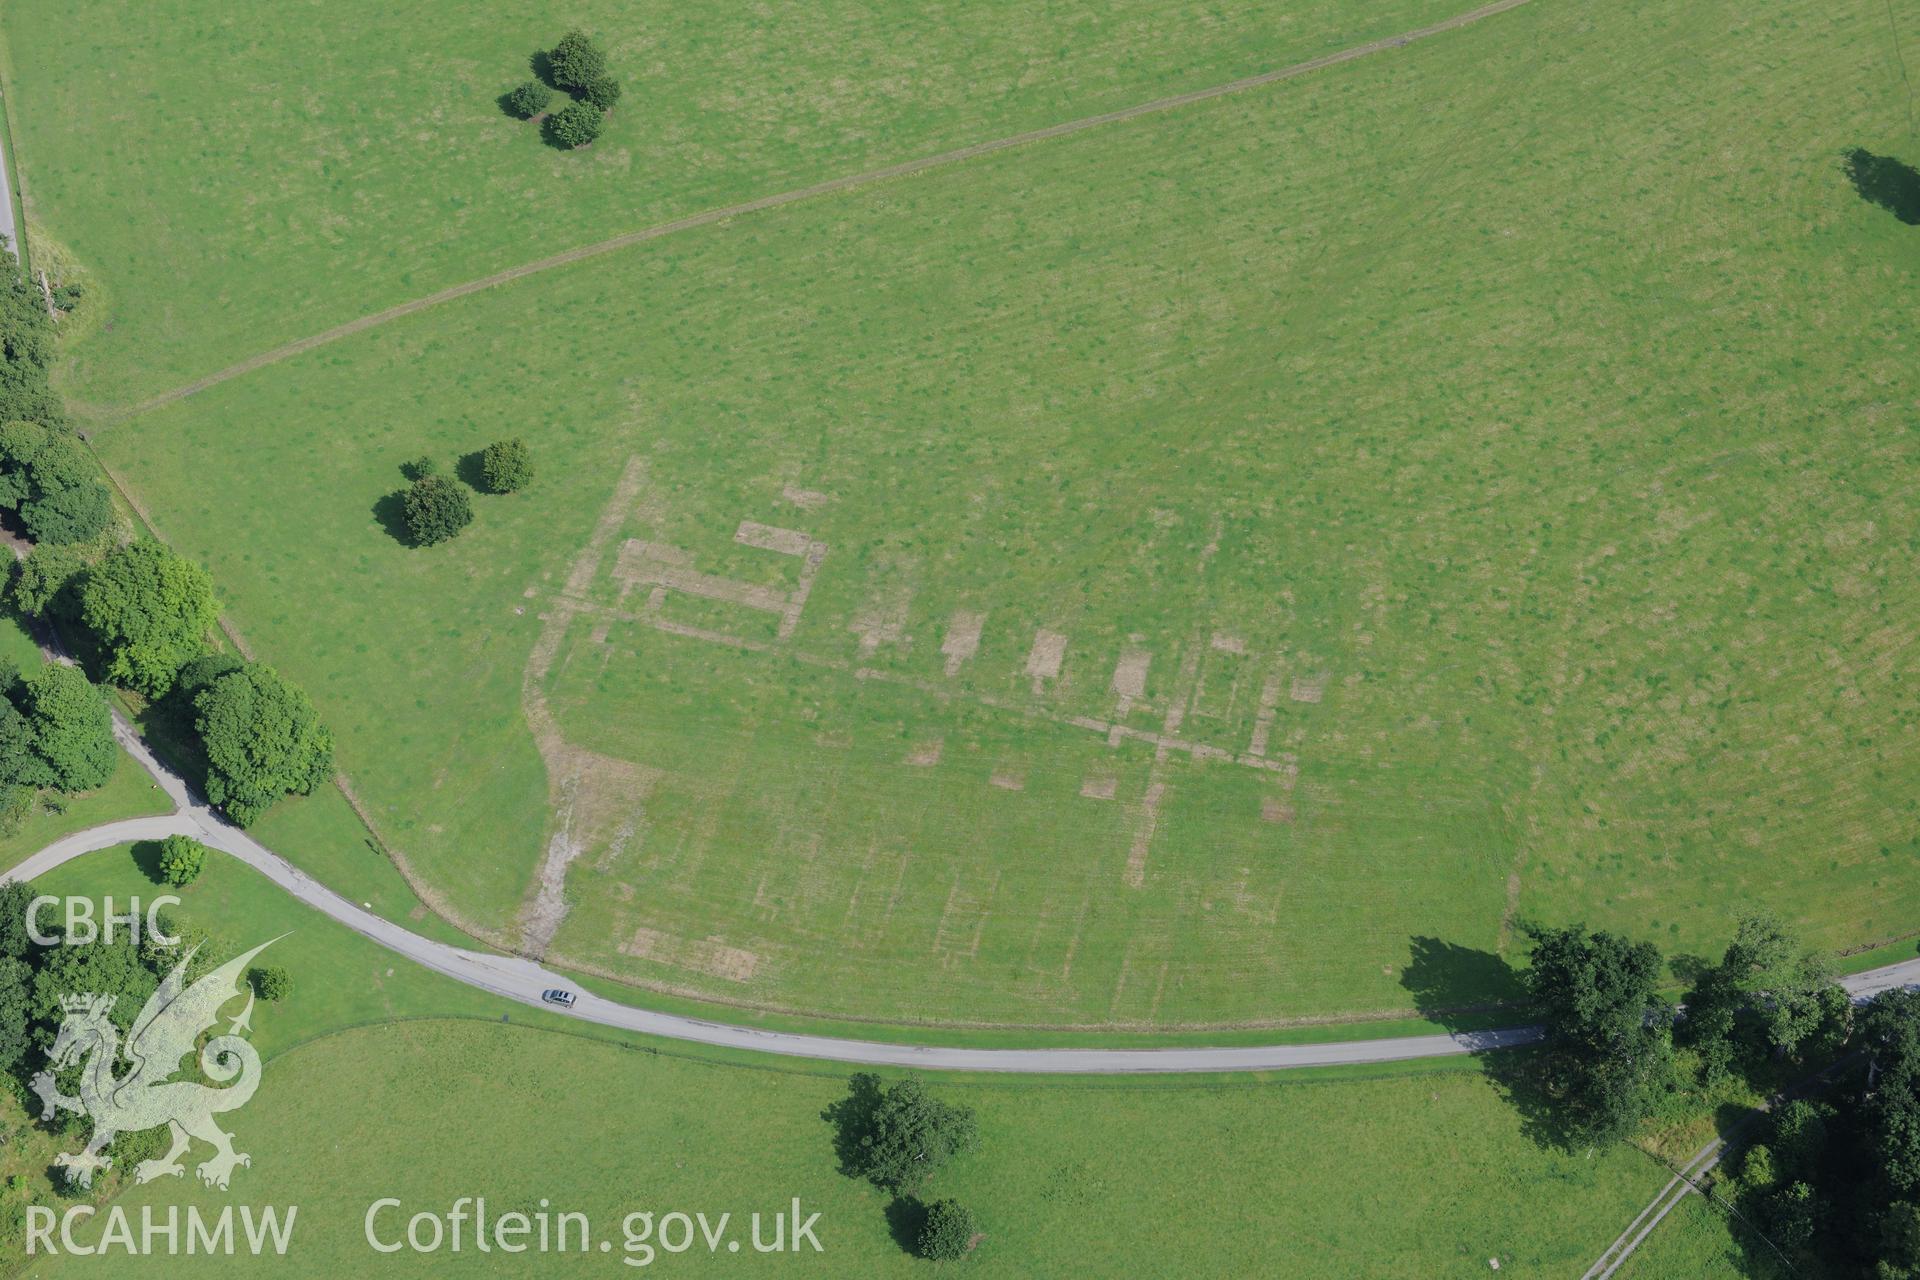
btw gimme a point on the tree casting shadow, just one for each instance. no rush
(852, 1119)
(1892, 184)
(549, 134)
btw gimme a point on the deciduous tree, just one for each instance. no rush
(529, 99)
(40, 582)
(436, 509)
(19, 442)
(15, 897)
(27, 350)
(65, 516)
(903, 1134)
(108, 969)
(577, 61)
(507, 465)
(150, 610)
(72, 730)
(576, 124)
(602, 91)
(263, 740)
(182, 859)
(948, 1231)
(1768, 995)
(1609, 1031)
(271, 982)
(53, 482)
(16, 1013)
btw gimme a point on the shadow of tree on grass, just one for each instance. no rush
(906, 1219)
(390, 512)
(471, 470)
(1455, 986)
(1892, 184)
(1446, 978)
(146, 856)
(852, 1120)
(540, 63)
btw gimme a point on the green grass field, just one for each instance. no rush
(376, 1071)
(1419, 1176)
(1141, 580)
(300, 172)
(1693, 1243)
(129, 793)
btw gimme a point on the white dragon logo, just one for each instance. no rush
(167, 1029)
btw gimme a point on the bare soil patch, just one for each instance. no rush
(963, 639)
(702, 955)
(1044, 659)
(1130, 679)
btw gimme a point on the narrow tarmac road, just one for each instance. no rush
(8, 231)
(521, 980)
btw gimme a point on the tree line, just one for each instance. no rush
(1829, 1178)
(137, 614)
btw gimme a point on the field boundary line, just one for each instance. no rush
(1900, 60)
(830, 186)
(1689, 1179)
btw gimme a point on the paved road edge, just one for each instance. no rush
(522, 981)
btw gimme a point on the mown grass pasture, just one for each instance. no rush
(1145, 579)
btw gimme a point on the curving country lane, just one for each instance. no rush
(520, 980)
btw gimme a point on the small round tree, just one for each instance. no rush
(577, 61)
(436, 509)
(424, 465)
(529, 100)
(181, 860)
(602, 92)
(506, 465)
(948, 1231)
(575, 125)
(271, 982)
